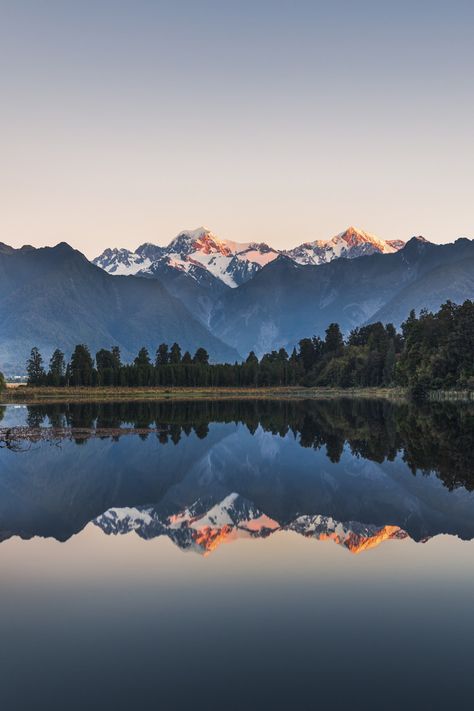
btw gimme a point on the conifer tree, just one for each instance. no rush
(107, 368)
(57, 368)
(306, 353)
(143, 358)
(81, 366)
(201, 356)
(162, 355)
(333, 343)
(252, 359)
(175, 354)
(34, 368)
(389, 365)
(117, 357)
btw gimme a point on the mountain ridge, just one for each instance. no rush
(285, 301)
(202, 531)
(234, 263)
(54, 297)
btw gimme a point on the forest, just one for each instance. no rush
(431, 351)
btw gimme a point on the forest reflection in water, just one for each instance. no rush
(436, 437)
(354, 471)
(116, 616)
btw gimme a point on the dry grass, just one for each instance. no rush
(26, 394)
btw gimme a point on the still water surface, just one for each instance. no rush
(237, 555)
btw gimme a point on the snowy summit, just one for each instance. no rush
(199, 252)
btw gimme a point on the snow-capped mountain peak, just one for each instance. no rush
(199, 251)
(349, 244)
(192, 251)
(354, 237)
(231, 262)
(199, 240)
(123, 261)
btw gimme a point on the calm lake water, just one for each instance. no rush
(236, 555)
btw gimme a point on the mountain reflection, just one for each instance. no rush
(203, 473)
(203, 531)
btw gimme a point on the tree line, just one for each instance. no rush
(432, 350)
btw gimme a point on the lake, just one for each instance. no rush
(236, 555)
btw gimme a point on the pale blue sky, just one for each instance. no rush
(124, 122)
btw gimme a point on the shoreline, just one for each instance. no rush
(25, 395)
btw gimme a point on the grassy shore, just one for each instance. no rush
(24, 394)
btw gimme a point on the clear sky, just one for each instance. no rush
(283, 121)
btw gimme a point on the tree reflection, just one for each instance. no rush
(434, 438)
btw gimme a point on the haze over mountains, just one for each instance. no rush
(229, 298)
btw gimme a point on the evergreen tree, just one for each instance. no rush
(252, 359)
(143, 358)
(107, 368)
(81, 366)
(117, 363)
(57, 368)
(333, 343)
(144, 372)
(162, 355)
(34, 368)
(250, 371)
(306, 353)
(389, 365)
(201, 356)
(175, 354)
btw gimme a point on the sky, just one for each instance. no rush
(128, 121)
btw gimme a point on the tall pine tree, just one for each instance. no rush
(34, 368)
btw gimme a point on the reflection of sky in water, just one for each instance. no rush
(272, 621)
(13, 416)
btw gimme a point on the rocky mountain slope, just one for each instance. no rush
(285, 301)
(54, 297)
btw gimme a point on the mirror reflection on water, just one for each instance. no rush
(201, 473)
(283, 482)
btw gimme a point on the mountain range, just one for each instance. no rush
(228, 297)
(54, 297)
(286, 301)
(199, 252)
(201, 529)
